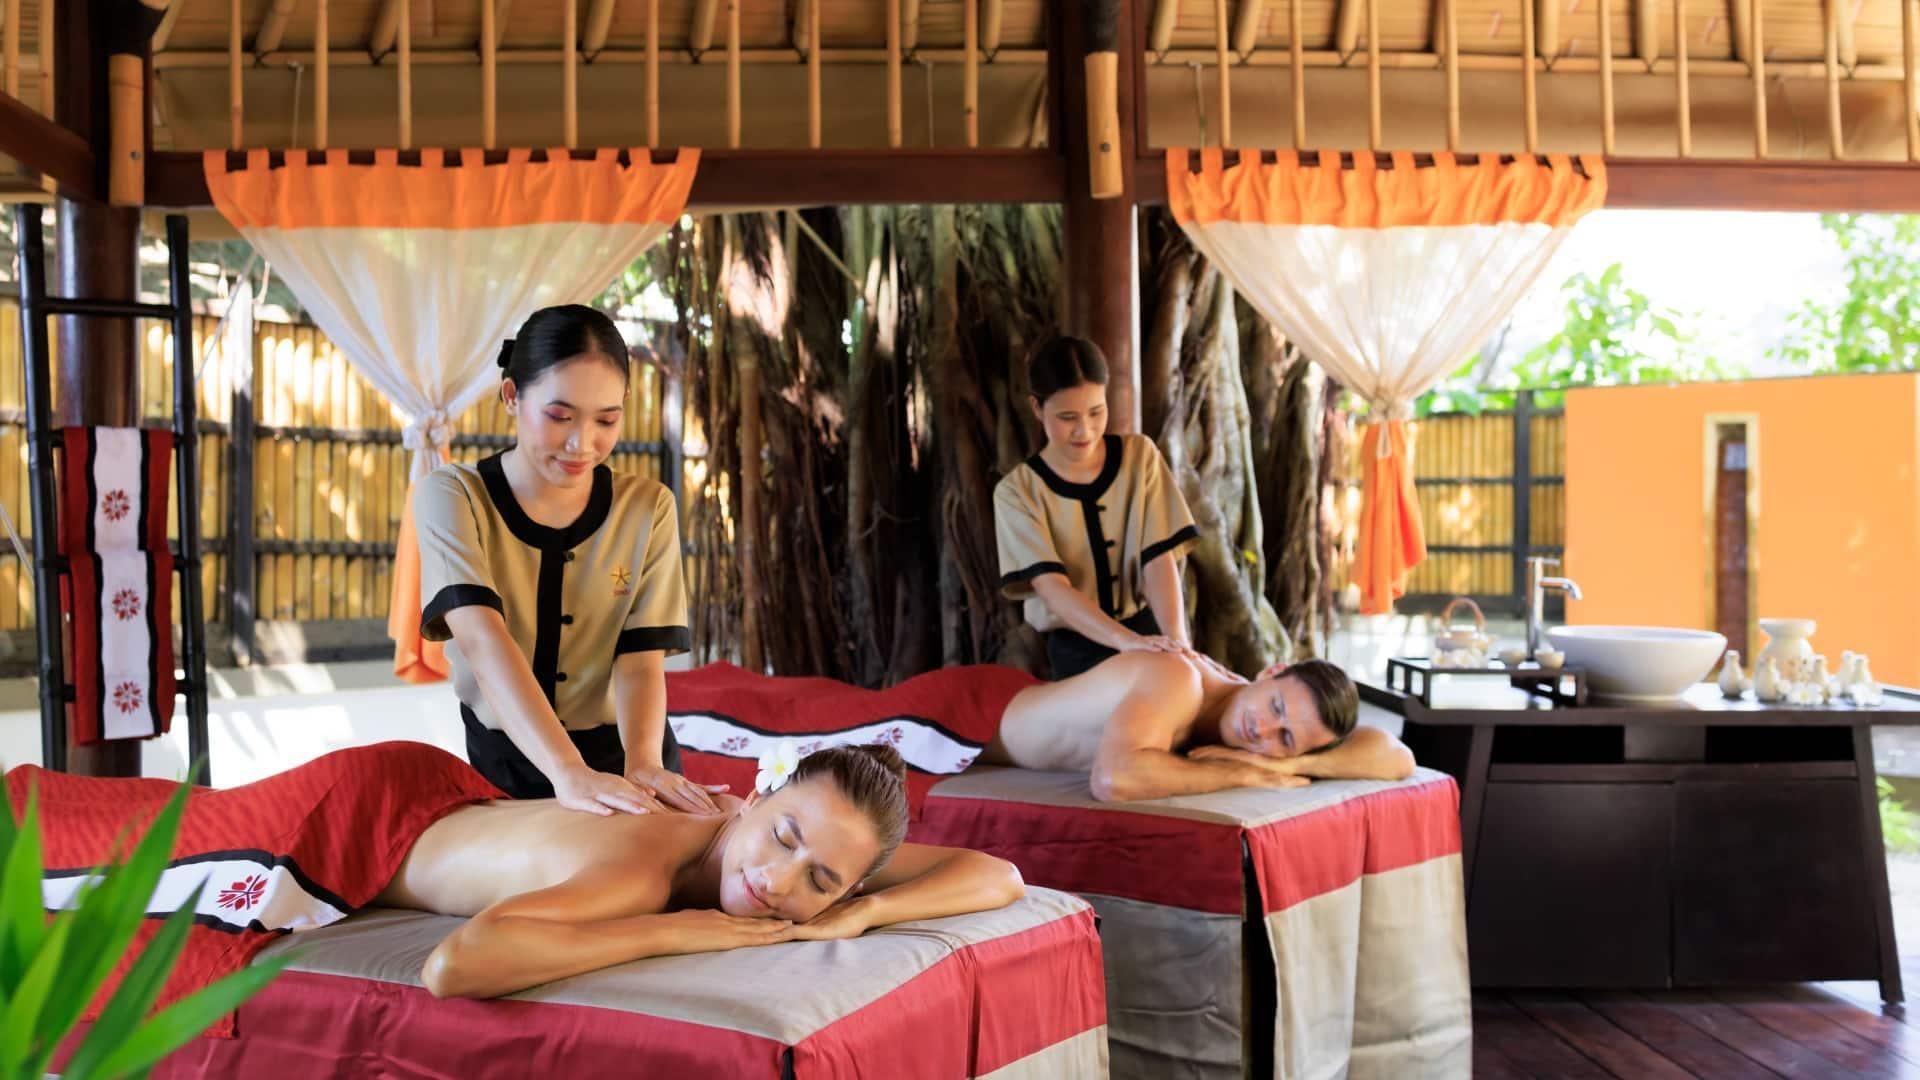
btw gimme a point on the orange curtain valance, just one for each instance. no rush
(1363, 195)
(333, 192)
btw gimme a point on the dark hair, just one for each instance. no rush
(1063, 363)
(874, 779)
(552, 336)
(1333, 694)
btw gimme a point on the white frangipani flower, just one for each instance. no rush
(776, 767)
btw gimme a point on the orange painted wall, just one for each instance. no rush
(1839, 508)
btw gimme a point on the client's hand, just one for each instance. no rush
(849, 918)
(1260, 770)
(675, 792)
(707, 930)
(594, 792)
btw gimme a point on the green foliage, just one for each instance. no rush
(1875, 326)
(51, 969)
(1896, 821)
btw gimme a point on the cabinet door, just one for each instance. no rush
(1770, 884)
(1570, 886)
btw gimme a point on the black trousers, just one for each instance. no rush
(1069, 652)
(501, 762)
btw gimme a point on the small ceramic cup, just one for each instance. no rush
(1513, 656)
(1551, 659)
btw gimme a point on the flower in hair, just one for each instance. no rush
(777, 765)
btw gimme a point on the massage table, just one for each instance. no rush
(1013, 994)
(1301, 932)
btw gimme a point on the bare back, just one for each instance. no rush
(485, 853)
(1159, 699)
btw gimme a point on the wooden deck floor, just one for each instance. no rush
(1808, 1030)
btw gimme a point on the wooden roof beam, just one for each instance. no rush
(165, 29)
(1546, 28)
(1166, 16)
(1246, 25)
(1646, 33)
(593, 36)
(273, 27)
(1346, 25)
(501, 9)
(386, 30)
(991, 14)
(700, 34)
(910, 24)
(1740, 14)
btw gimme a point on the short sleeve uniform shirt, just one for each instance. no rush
(1101, 535)
(573, 598)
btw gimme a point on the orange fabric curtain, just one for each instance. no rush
(1388, 277)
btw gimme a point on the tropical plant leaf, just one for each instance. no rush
(23, 917)
(20, 1023)
(137, 991)
(172, 1027)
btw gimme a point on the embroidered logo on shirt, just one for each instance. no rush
(622, 580)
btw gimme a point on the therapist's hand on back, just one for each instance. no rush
(602, 793)
(675, 792)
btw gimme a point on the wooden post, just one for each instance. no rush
(12, 46)
(1528, 93)
(1101, 27)
(1374, 139)
(814, 127)
(1683, 114)
(1451, 28)
(46, 65)
(1910, 85)
(733, 72)
(489, 75)
(970, 84)
(653, 72)
(893, 72)
(1522, 492)
(241, 578)
(320, 50)
(1606, 76)
(990, 28)
(1102, 247)
(235, 106)
(1757, 56)
(126, 128)
(1226, 75)
(1297, 69)
(569, 71)
(405, 74)
(1836, 141)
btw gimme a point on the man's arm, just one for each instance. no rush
(602, 916)
(1367, 754)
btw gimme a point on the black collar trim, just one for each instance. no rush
(1067, 489)
(532, 533)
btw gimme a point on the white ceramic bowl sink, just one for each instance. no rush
(1639, 663)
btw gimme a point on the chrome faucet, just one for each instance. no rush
(1537, 585)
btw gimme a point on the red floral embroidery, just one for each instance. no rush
(115, 504)
(892, 736)
(126, 604)
(961, 765)
(806, 748)
(244, 893)
(127, 697)
(734, 742)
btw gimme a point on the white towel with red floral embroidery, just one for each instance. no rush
(119, 585)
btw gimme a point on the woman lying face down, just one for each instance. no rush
(552, 895)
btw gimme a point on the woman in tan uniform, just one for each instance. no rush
(1091, 528)
(557, 584)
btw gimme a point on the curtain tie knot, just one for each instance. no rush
(431, 430)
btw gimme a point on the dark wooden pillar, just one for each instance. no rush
(1102, 295)
(96, 256)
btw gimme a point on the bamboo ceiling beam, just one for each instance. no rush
(1740, 35)
(1546, 21)
(1843, 29)
(1297, 73)
(910, 25)
(1910, 82)
(1529, 92)
(405, 74)
(893, 72)
(970, 77)
(12, 49)
(489, 69)
(386, 29)
(1606, 76)
(1449, 35)
(1166, 17)
(599, 23)
(54, 151)
(1374, 137)
(321, 48)
(1836, 141)
(202, 59)
(46, 67)
(161, 34)
(991, 16)
(236, 101)
(700, 33)
(1646, 34)
(814, 93)
(1220, 55)
(501, 9)
(1757, 57)
(1683, 113)
(1346, 26)
(569, 72)
(1246, 26)
(273, 26)
(653, 71)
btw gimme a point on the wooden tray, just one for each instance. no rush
(1413, 676)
